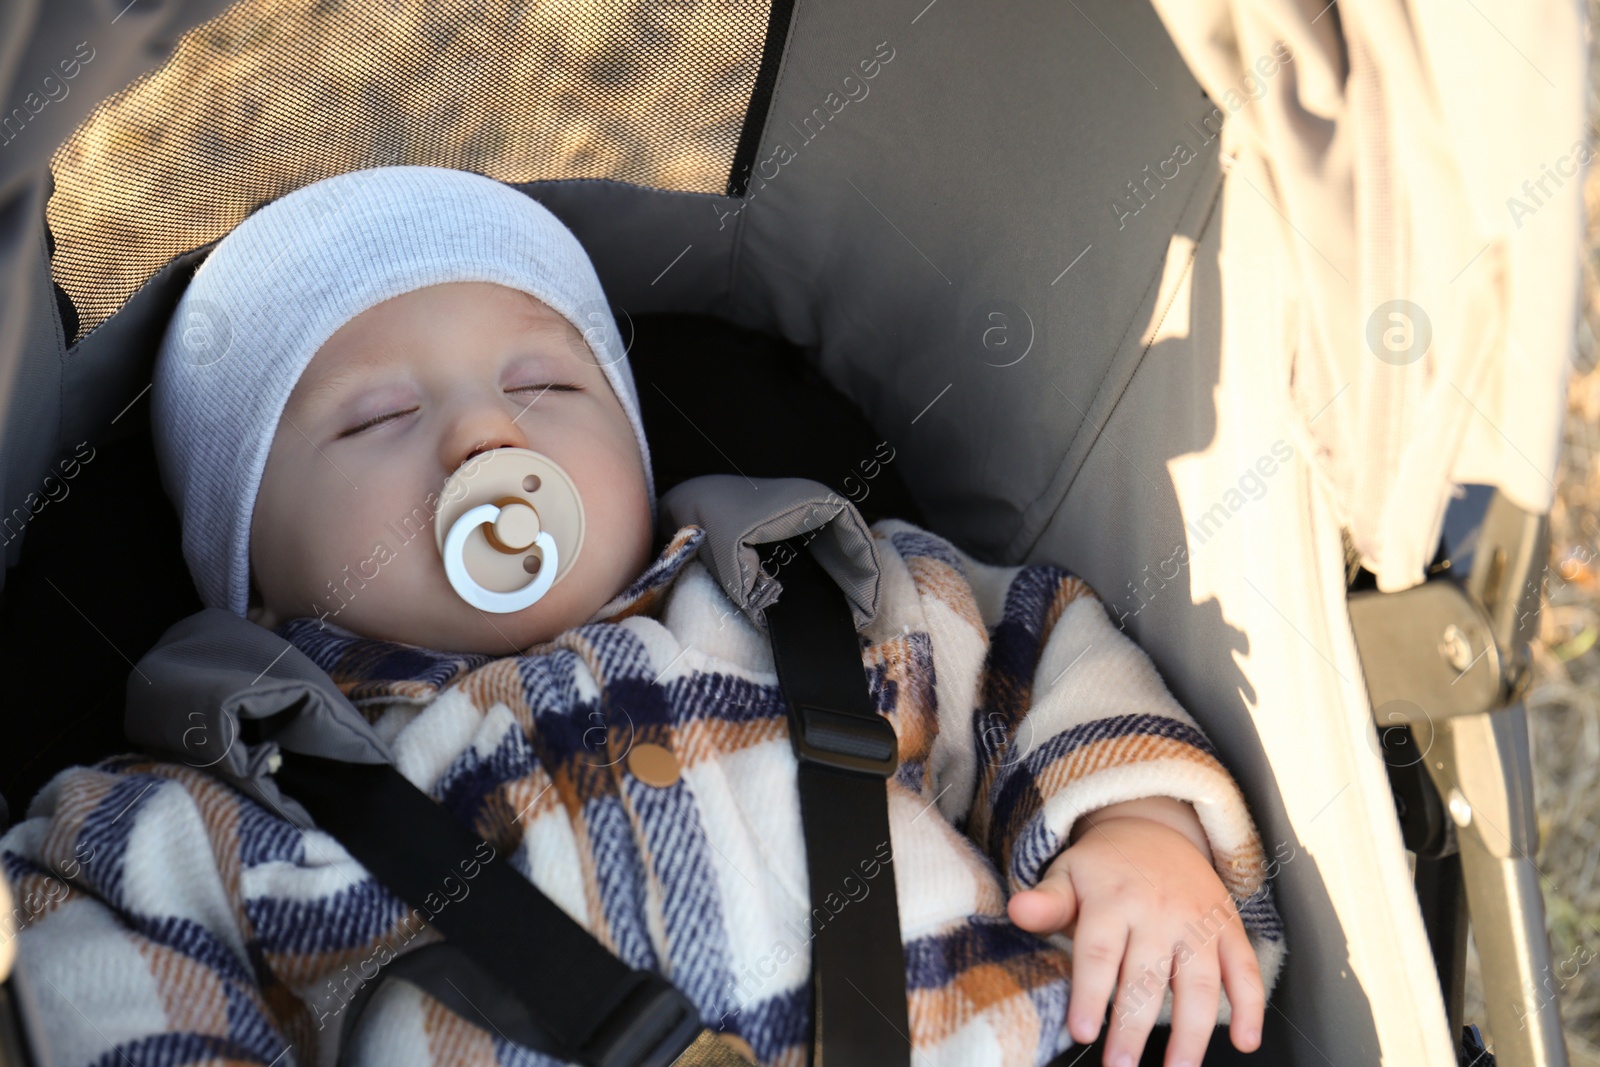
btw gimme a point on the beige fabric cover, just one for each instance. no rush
(1394, 152)
(1385, 162)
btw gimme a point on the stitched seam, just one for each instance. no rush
(1161, 319)
(54, 313)
(772, 110)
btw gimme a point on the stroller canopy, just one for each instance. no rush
(1170, 295)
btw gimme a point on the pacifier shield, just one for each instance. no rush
(535, 496)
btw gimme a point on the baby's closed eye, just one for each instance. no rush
(540, 388)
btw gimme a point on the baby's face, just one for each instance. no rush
(439, 374)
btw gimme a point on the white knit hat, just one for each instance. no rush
(293, 272)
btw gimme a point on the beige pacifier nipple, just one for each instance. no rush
(503, 516)
(516, 528)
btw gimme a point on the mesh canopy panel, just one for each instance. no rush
(276, 94)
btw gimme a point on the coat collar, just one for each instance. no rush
(368, 669)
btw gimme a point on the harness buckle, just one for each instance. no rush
(844, 740)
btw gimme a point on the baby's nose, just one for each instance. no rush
(482, 429)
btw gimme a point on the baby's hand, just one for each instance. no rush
(1133, 885)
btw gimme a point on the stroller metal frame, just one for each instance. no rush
(1446, 662)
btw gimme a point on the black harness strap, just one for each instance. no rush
(847, 751)
(591, 1007)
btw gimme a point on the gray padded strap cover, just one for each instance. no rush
(212, 671)
(739, 513)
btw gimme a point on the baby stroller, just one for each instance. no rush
(1216, 304)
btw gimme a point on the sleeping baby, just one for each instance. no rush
(400, 431)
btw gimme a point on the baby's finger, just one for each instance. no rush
(1097, 950)
(1196, 991)
(1146, 973)
(1050, 906)
(1241, 975)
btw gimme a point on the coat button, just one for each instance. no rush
(654, 765)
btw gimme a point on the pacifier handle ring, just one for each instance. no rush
(455, 565)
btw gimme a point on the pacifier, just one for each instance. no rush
(509, 526)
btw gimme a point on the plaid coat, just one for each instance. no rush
(166, 917)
